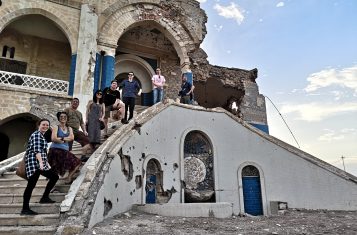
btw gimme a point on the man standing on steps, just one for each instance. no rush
(130, 88)
(158, 82)
(112, 102)
(75, 120)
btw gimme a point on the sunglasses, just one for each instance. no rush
(99, 94)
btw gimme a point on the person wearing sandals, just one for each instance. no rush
(59, 156)
(95, 115)
(37, 164)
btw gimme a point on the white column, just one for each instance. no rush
(86, 55)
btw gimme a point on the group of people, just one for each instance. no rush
(59, 160)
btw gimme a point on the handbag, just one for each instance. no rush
(102, 125)
(21, 168)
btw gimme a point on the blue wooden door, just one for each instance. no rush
(252, 195)
(151, 189)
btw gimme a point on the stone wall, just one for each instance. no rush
(44, 57)
(17, 101)
(66, 18)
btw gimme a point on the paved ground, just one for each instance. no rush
(288, 222)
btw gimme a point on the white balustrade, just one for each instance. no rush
(33, 82)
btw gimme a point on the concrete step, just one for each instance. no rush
(27, 230)
(18, 198)
(19, 181)
(26, 220)
(39, 189)
(15, 208)
(8, 175)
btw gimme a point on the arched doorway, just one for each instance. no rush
(141, 49)
(121, 77)
(4, 146)
(40, 48)
(154, 179)
(198, 168)
(252, 194)
(16, 130)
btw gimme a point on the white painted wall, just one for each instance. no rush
(285, 176)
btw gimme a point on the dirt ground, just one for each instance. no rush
(287, 222)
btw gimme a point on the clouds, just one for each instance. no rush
(339, 84)
(280, 4)
(345, 78)
(201, 1)
(317, 111)
(231, 11)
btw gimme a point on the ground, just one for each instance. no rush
(286, 222)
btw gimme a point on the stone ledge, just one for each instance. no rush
(216, 210)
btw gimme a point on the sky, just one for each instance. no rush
(306, 55)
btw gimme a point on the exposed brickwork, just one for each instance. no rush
(19, 101)
(65, 17)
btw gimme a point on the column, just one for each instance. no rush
(86, 57)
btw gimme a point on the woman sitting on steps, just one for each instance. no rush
(59, 156)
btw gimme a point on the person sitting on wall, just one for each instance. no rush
(112, 102)
(186, 92)
(131, 88)
(75, 120)
(59, 156)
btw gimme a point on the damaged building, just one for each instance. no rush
(215, 158)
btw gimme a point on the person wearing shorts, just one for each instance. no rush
(112, 102)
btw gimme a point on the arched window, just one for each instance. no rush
(4, 51)
(199, 168)
(12, 52)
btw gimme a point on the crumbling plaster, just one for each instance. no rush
(287, 174)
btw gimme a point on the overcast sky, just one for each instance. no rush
(306, 55)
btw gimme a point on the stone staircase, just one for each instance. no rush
(46, 222)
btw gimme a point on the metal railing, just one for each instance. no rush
(33, 82)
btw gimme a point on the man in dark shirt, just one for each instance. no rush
(112, 102)
(130, 89)
(186, 92)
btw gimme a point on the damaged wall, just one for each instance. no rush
(286, 173)
(217, 86)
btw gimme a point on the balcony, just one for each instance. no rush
(15, 80)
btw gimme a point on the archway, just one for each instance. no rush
(18, 129)
(252, 193)
(198, 168)
(40, 47)
(143, 71)
(4, 146)
(154, 180)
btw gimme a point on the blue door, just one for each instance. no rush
(252, 195)
(151, 189)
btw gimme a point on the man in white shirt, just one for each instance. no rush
(158, 82)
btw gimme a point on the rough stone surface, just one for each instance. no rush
(287, 222)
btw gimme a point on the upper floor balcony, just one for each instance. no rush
(42, 84)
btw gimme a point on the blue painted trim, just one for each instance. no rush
(261, 127)
(189, 76)
(107, 71)
(98, 65)
(72, 74)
